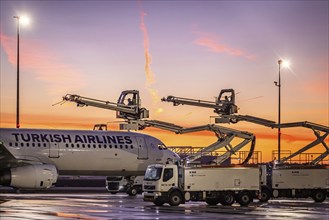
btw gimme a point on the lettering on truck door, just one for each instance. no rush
(142, 148)
(53, 150)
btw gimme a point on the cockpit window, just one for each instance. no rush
(162, 146)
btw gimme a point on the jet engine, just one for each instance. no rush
(35, 176)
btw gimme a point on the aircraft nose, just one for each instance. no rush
(172, 155)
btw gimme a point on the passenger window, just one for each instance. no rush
(167, 174)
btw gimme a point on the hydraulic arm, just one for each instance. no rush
(131, 110)
(224, 104)
(320, 131)
(127, 107)
(225, 108)
(224, 135)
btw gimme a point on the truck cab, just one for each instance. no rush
(159, 182)
(131, 185)
(115, 184)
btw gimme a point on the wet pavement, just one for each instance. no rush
(102, 205)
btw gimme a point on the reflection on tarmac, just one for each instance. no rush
(121, 206)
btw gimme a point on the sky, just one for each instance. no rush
(189, 49)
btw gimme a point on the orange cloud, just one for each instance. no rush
(213, 44)
(46, 66)
(7, 45)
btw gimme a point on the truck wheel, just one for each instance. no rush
(132, 191)
(158, 202)
(212, 201)
(244, 198)
(319, 195)
(175, 198)
(227, 198)
(265, 195)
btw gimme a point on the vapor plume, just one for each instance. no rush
(150, 78)
(148, 59)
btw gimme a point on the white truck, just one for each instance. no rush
(294, 182)
(131, 185)
(175, 184)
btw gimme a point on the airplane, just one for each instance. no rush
(34, 158)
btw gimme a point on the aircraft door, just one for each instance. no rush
(54, 150)
(142, 148)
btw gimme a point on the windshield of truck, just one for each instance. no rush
(153, 173)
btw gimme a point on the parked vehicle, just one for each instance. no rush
(294, 181)
(175, 184)
(131, 185)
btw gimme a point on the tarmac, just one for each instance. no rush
(97, 203)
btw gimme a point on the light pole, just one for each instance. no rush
(278, 84)
(24, 20)
(17, 92)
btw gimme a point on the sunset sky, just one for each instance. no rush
(190, 49)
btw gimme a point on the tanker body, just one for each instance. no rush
(174, 184)
(301, 181)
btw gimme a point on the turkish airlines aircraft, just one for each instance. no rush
(33, 158)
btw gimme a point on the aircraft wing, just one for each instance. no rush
(7, 159)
